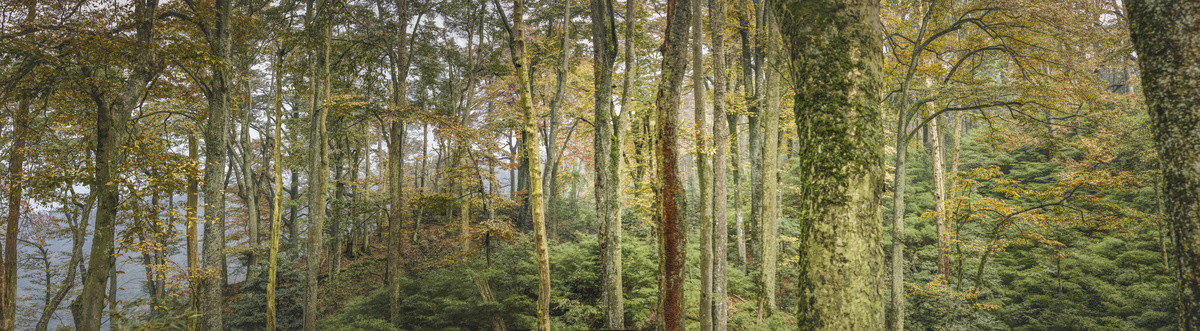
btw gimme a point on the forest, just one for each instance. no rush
(599, 164)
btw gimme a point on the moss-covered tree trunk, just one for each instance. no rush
(277, 202)
(531, 155)
(607, 158)
(1167, 40)
(836, 51)
(671, 202)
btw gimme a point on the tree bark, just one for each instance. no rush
(607, 159)
(939, 198)
(277, 202)
(1168, 46)
(671, 202)
(533, 171)
(769, 227)
(191, 216)
(703, 168)
(721, 134)
(836, 50)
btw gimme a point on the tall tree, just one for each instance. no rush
(671, 202)
(836, 51)
(318, 160)
(16, 174)
(397, 243)
(607, 148)
(531, 154)
(112, 115)
(215, 137)
(769, 226)
(720, 131)
(1168, 46)
(703, 167)
(277, 201)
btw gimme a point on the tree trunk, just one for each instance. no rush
(1168, 47)
(671, 203)
(111, 120)
(939, 197)
(318, 170)
(249, 184)
(837, 79)
(748, 87)
(190, 222)
(277, 203)
(703, 168)
(721, 134)
(769, 226)
(16, 174)
(561, 71)
(607, 159)
(397, 243)
(533, 171)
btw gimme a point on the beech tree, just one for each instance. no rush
(1168, 51)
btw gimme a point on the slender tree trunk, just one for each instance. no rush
(111, 120)
(721, 134)
(770, 163)
(1168, 46)
(703, 168)
(190, 219)
(16, 174)
(531, 155)
(607, 159)
(939, 197)
(745, 31)
(838, 71)
(671, 202)
(397, 241)
(339, 213)
(549, 182)
(277, 203)
(318, 172)
(249, 184)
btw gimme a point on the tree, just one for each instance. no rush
(703, 168)
(112, 115)
(836, 51)
(320, 23)
(1168, 51)
(721, 136)
(217, 32)
(671, 203)
(769, 224)
(397, 241)
(607, 148)
(531, 152)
